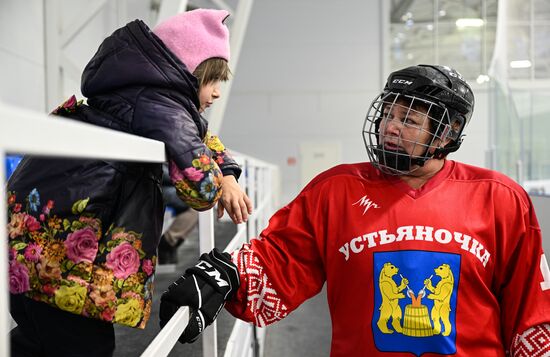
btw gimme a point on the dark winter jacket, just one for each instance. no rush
(83, 234)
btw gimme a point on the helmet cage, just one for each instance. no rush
(398, 161)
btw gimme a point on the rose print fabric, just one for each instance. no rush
(200, 184)
(55, 261)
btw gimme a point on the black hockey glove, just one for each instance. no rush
(204, 288)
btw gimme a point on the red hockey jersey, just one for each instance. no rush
(453, 268)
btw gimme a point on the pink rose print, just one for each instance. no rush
(123, 260)
(193, 174)
(82, 245)
(175, 173)
(32, 224)
(108, 314)
(19, 278)
(147, 266)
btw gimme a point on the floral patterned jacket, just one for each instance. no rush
(83, 234)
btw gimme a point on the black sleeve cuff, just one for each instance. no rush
(232, 171)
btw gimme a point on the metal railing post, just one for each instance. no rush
(206, 244)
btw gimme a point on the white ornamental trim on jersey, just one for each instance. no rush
(263, 302)
(535, 342)
(418, 233)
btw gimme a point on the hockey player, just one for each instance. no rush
(420, 254)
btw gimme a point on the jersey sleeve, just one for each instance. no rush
(525, 290)
(282, 268)
(533, 342)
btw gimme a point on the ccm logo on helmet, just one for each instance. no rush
(402, 81)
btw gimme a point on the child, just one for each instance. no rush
(83, 234)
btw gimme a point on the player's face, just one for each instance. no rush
(404, 128)
(208, 93)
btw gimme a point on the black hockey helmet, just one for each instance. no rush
(442, 91)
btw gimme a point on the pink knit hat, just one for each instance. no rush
(195, 36)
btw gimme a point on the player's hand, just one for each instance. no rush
(234, 201)
(204, 288)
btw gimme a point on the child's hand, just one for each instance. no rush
(234, 201)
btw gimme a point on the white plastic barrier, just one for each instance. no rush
(260, 180)
(28, 132)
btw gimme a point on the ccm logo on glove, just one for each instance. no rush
(210, 270)
(204, 288)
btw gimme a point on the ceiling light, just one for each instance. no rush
(473, 22)
(520, 64)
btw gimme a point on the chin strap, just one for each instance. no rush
(453, 146)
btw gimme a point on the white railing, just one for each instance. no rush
(259, 179)
(28, 132)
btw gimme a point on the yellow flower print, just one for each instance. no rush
(38, 237)
(71, 298)
(146, 314)
(54, 250)
(137, 244)
(128, 313)
(134, 279)
(214, 143)
(134, 296)
(54, 222)
(48, 269)
(102, 295)
(102, 277)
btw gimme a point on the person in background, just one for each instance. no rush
(421, 255)
(183, 221)
(83, 234)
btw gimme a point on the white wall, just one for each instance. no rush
(22, 53)
(308, 71)
(22, 50)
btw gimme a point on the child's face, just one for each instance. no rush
(208, 93)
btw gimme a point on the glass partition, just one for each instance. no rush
(463, 34)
